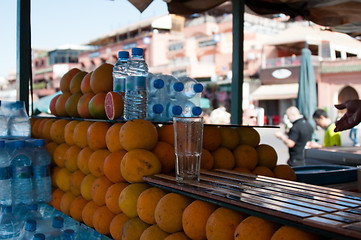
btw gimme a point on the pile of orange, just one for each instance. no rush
(97, 177)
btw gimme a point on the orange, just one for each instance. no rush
(56, 198)
(246, 156)
(112, 137)
(66, 79)
(70, 158)
(85, 83)
(80, 133)
(46, 129)
(86, 186)
(147, 202)
(57, 130)
(96, 162)
(207, 160)
(71, 104)
(112, 196)
(59, 154)
(177, 236)
(249, 136)
(288, 232)
(75, 182)
(211, 137)
(112, 166)
(53, 104)
(116, 226)
(83, 159)
(41, 127)
(133, 229)
(230, 137)
(51, 146)
(263, 171)
(75, 82)
(255, 228)
(83, 105)
(101, 220)
(242, 170)
(65, 202)
(153, 232)
(63, 177)
(53, 174)
(284, 171)
(101, 79)
(166, 155)
(267, 156)
(35, 127)
(129, 196)
(195, 217)
(88, 212)
(99, 189)
(76, 208)
(222, 223)
(96, 135)
(138, 163)
(114, 105)
(169, 210)
(69, 131)
(138, 133)
(96, 106)
(166, 134)
(223, 158)
(60, 104)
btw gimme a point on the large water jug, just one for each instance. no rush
(5, 176)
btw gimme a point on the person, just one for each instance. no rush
(331, 137)
(299, 134)
(249, 117)
(351, 118)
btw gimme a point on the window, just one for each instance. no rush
(207, 43)
(176, 46)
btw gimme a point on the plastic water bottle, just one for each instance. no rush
(155, 111)
(39, 236)
(174, 87)
(21, 175)
(9, 224)
(29, 231)
(41, 172)
(56, 229)
(191, 87)
(191, 110)
(18, 123)
(135, 104)
(173, 109)
(3, 123)
(68, 234)
(5, 179)
(33, 213)
(119, 72)
(156, 86)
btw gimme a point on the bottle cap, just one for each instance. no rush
(39, 236)
(39, 142)
(196, 111)
(178, 86)
(19, 143)
(19, 104)
(198, 87)
(58, 222)
(123, 54)
(30, 225)
(68, 234)
(177, 110)
(158, 83)
(158, 108)
(137, 51)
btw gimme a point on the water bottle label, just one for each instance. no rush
(136, 83)
(21, 172)
(119, 85)
(41, 171)
(5, 173)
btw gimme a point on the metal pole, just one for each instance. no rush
(23, 52)
(237, 62)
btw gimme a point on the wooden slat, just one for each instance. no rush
(332, 212)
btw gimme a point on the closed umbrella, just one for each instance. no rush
(307, 93)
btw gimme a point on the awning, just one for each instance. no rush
(275, 91)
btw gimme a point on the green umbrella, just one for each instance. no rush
(307, 93)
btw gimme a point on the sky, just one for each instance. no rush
(55, 23)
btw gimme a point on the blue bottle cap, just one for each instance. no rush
(19, 104)
(58, 222)
(158, 83)
(137, 51)
(39, 236)
(30, 225)
(19, 143)
(158, 108)
(68, 234)
(198, 87)
(196, 111)
(39, 142)
(33, 207)
(178, 86)
(123, 54)
(177, 110)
